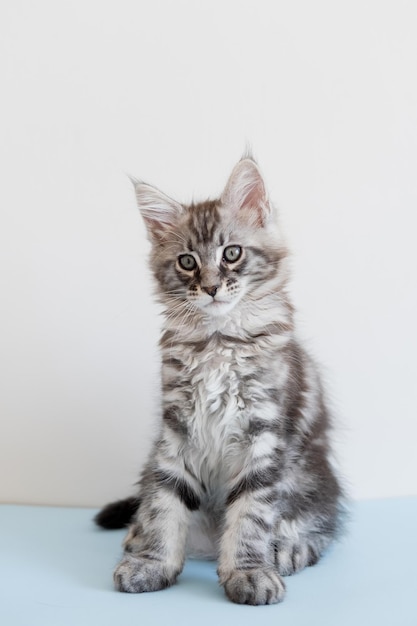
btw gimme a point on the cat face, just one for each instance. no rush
(211, 267)
(212, 272)
(212, 255)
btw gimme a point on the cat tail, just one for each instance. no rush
(117, 514)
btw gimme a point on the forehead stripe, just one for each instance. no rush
(204, 220)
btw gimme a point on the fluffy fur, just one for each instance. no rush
(240, 470)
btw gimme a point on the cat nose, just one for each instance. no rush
(211, 290)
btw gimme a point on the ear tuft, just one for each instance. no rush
(159, 211)
(248, 153)
(245, 193)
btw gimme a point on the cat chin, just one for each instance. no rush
(218, 308)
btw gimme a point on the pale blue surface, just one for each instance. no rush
(56, 569)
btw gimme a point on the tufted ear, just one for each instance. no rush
(245, 194)
(159, 211)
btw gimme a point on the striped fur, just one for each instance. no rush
(240, 470)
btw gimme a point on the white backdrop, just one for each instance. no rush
(326, 93)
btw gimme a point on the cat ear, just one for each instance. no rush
(159, 211)
(245, 194)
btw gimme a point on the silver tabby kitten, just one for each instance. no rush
(240, 470)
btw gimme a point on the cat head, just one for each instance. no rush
(213, 255)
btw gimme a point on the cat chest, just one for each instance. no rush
(209, 389)
(216, 421)
(216, 387)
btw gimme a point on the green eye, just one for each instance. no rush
(187, 262)
(232, 253)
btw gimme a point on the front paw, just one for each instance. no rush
(135, 574)
(254, 586)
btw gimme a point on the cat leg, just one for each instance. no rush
(309, 520)
(246, 568)
(155, 544)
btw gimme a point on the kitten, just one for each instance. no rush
(240, 470)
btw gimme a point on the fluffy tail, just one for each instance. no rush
(117, 514)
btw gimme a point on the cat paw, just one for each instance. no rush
(254, 586)
(294, 558)
(135, 574)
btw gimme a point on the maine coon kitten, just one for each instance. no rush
(240, 470)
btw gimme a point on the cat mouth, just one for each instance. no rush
(216, 302)
(218, 307)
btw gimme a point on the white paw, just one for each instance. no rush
(135, 574)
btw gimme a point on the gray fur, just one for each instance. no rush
(240, 470)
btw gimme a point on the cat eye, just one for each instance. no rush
(232, 253)
(187, 262)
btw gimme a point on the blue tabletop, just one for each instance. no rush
(56, 569)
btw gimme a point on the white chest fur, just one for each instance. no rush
(215, 411)
(218, 416)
